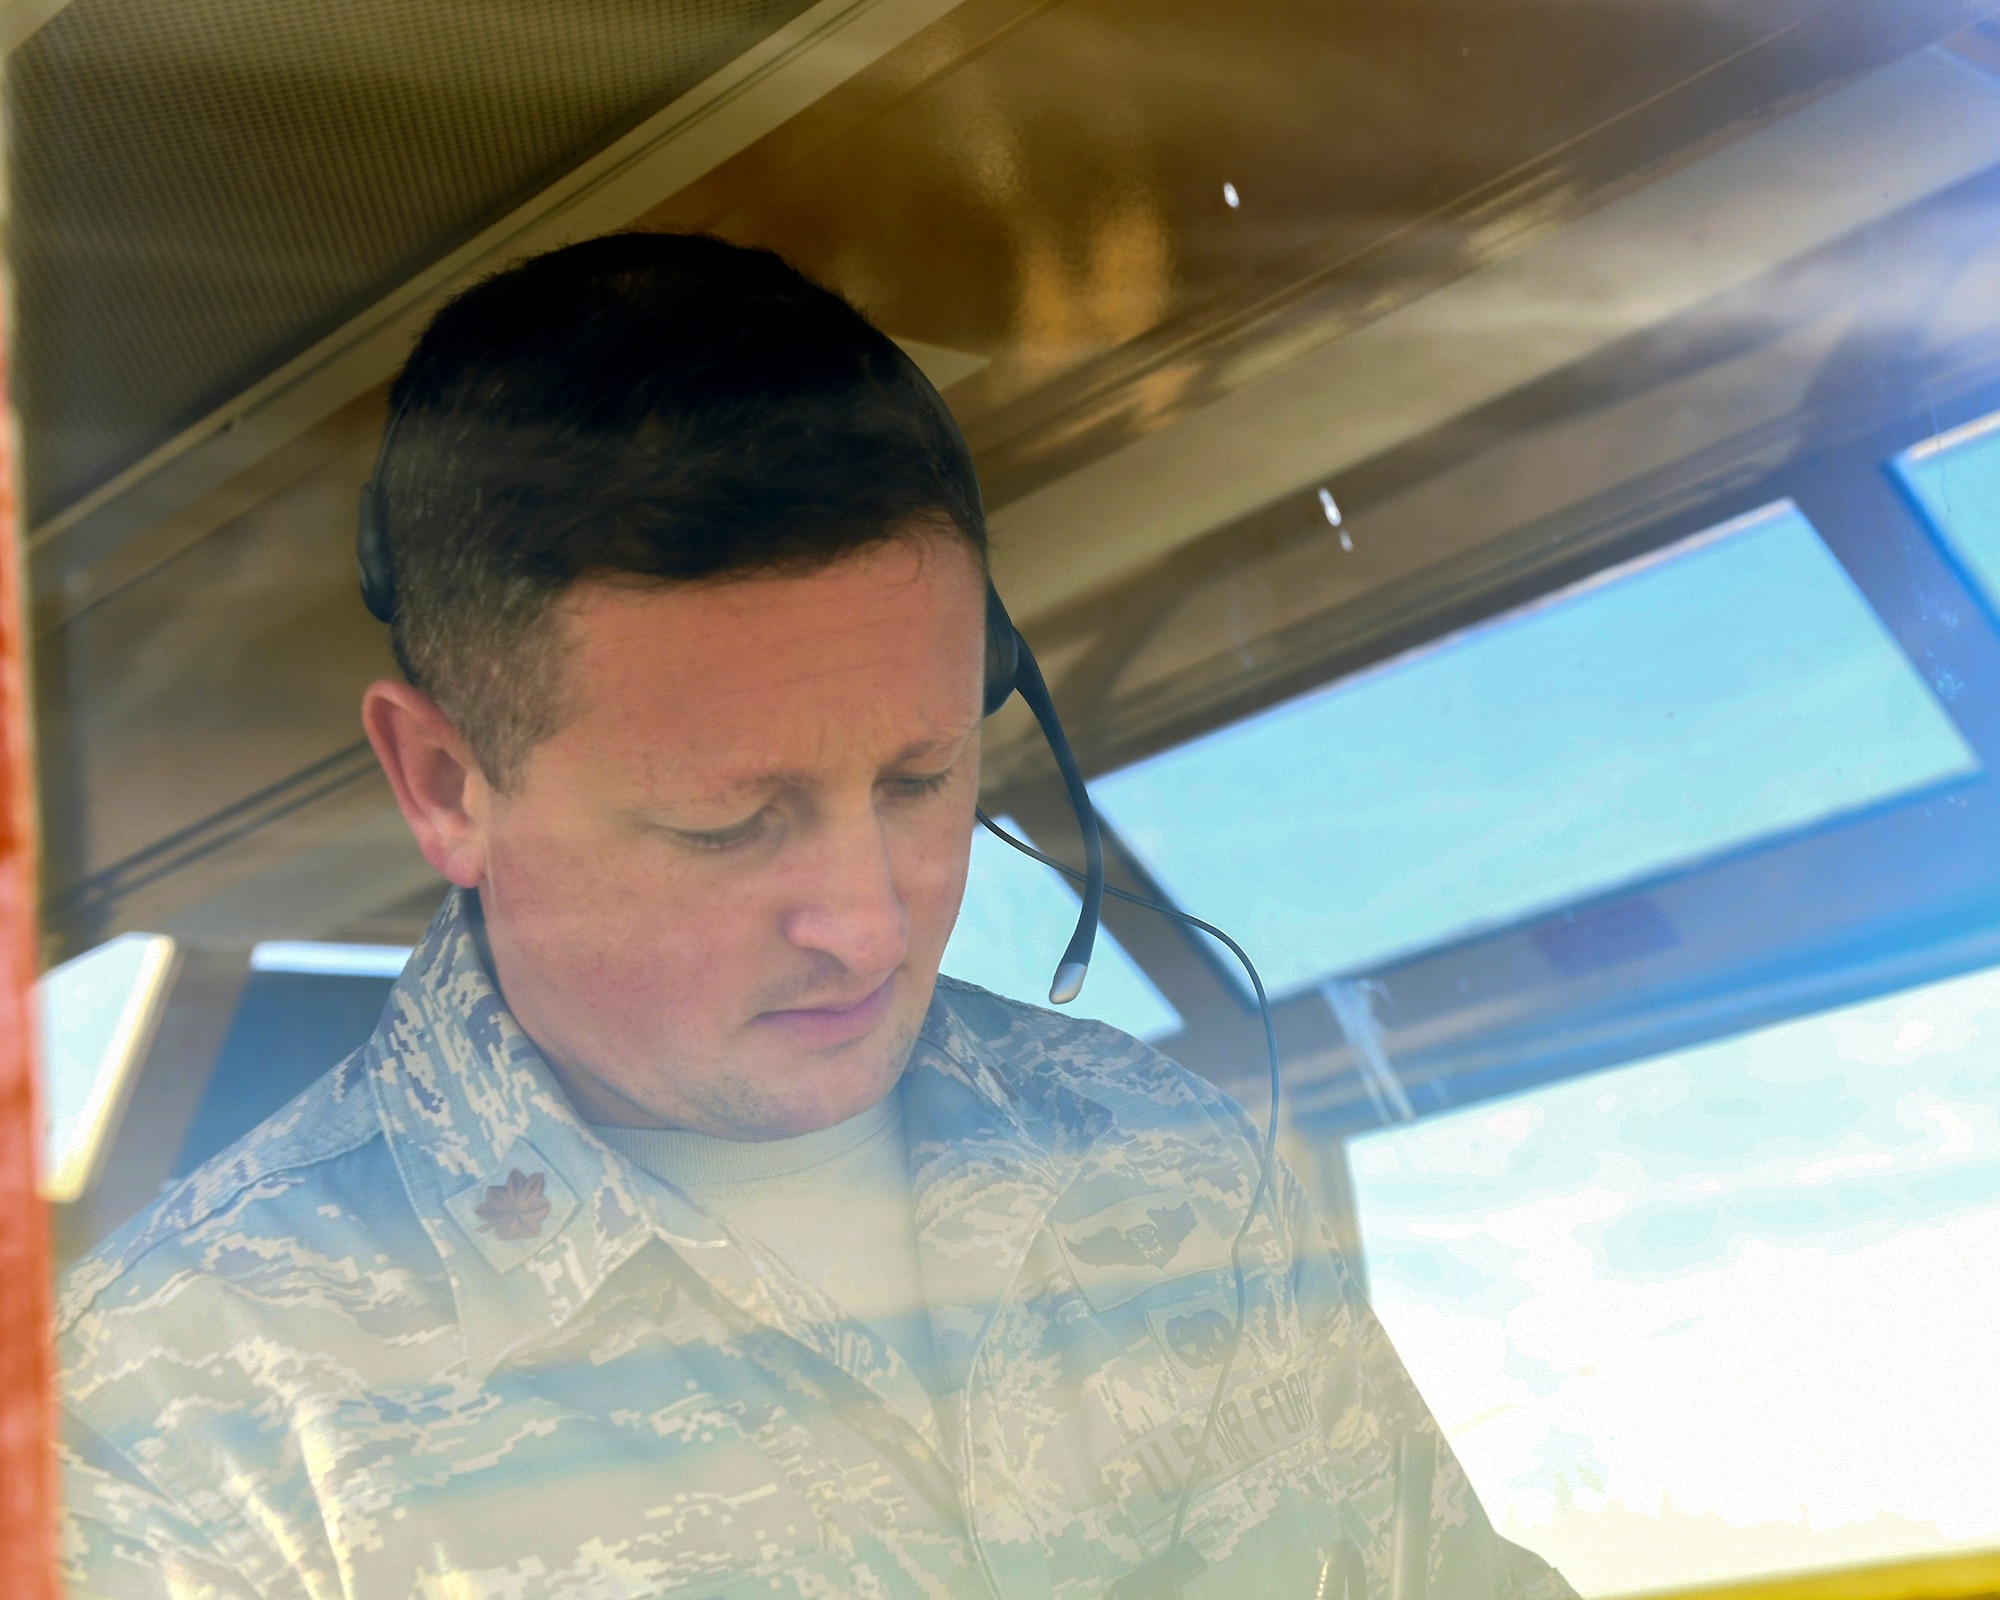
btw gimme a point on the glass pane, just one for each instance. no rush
(498, 610)
(97, 1013)
(1018, 916)
(1734, 688)
(1956, 477)
(1728, 1311)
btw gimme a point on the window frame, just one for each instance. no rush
(1892, 896)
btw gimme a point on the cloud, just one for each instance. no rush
(1762, 1344)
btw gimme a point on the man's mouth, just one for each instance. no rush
(821, 1027)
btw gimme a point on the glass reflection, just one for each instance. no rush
(1446, 459)
(1721, 1313)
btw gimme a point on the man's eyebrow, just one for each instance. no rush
(781, 778)
(942, 744)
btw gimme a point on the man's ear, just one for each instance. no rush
(443, 795)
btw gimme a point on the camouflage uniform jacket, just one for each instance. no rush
(422, 1335)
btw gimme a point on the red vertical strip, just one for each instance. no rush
(27, 1455)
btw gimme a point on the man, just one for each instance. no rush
(680, 1232)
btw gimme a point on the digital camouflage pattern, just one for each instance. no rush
(422, 1335)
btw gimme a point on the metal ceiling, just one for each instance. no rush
(203, 188)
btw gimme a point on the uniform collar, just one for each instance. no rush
(531, 1213)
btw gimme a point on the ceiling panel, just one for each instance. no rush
(1052, 196)
(202, 188)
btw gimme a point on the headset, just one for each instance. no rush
(1011, 669)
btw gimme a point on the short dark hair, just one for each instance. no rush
(649, 406)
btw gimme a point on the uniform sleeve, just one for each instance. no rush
(1367, 1404)
(122, 1540)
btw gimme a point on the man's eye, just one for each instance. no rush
(722, 838)
(915, 788)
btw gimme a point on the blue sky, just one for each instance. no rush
(1736, 687)
(1956, 478)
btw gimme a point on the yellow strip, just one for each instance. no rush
(1962, 1577)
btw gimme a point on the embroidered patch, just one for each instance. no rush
(516, 1208)
(1196, 1331)
(1151, 1242)
(1138, 1244)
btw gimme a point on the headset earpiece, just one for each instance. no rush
(1011, 669)
(371, 537)
(371, 552)
(1003, 653)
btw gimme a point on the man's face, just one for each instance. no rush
(717, 896)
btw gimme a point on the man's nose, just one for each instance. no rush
(848, 903)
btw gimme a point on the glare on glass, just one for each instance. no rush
(1726, 1312)
(1016, 920)
(318, 959)
(1730, 689)
(97, 1018)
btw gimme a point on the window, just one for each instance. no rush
(1723, 1312)
(97, 1015)
(305, 1003)
(312, 958)
(1466, 516)
(1956, 480)
(1734, 688)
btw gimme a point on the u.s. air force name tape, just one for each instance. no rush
(1256, 1419)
